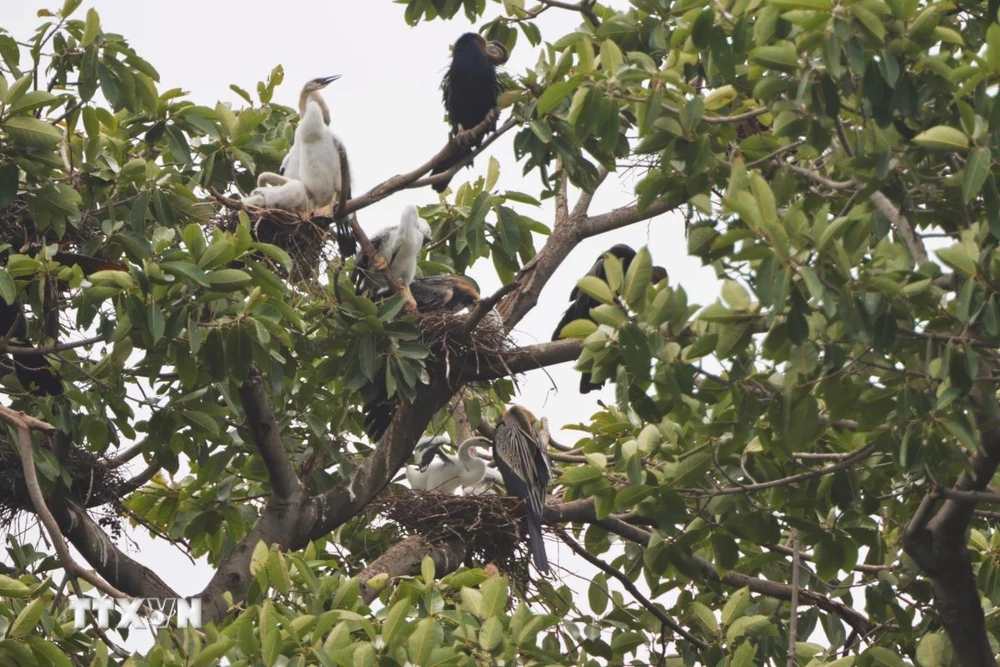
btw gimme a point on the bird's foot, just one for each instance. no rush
(464, 138)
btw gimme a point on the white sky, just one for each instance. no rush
(387, 109)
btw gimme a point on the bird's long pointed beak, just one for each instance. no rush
(327, 80)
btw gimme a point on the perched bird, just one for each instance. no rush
(470, 94)
(312, 174)
(449, 473)
(32, 370)
(581, 303)
(524, 466)
(491, 479)
(399, 245)
(448, 292)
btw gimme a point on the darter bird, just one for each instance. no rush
(447, 292)
(524, 466)
(446, 473)
(470, 94)
(399, 245)
(581, 303)
(314, 166)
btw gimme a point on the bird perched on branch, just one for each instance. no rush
(470, 95)
(312, 174)
(521, 459)
(581, 303)
(446, 473)
(399, 245)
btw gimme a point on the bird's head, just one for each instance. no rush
(319, 84)
(621, 251)
(495, 52)
(425, 229)
(659, 273)
(521, 417)
(427, 447)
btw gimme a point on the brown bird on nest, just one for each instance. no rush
(447, 292)
(582, 303)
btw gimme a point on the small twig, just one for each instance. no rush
(902, 226)
(630, 587)
(446, 175)
(586, 7)
(794, 614)
(49, 349)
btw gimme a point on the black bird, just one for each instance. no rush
(581, 303)
(447, 292)
(470, 94)
(521, 460)
(32, 370)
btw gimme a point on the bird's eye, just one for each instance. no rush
(497, 52)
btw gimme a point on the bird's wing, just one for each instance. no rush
(521, 453)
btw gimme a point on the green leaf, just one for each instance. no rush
(31, 132)
(575, 329)
(959, 257)
(91, 28)
(365, 655)
(494, 592)
(553, 95)
(50, 654)
(228, 280)
(596, 288)
(395, 622)
(27, 619)
(977, 168)
(735, 606)
(934, 650)
(187, 271)
(211, 654)
(491, 633)
(781, 56)
(942, 138)
(638, 278)
(426, 637)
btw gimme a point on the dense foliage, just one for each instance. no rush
(831, 421)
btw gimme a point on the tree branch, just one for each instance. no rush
(266, 435)
(49, 349)
(902, 226)
(526, 359)
(404, 559)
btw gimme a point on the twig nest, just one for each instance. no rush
(17, 226)
(488, 524)
(96, 481)
(302, 236)
(483, 347)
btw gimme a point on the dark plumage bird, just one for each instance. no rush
(447, 292)
(33, 370)
(470, 94)
(524, 466)
(581, 303)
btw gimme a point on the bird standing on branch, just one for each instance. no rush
(521, 459)
(447, 292)
(399, 245)
(32, 370)
(581, 303)
(311, 175)
(470, 95)
(448, 473)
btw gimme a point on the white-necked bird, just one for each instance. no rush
(447, 473)
(399, 245)
(470, 94)
(519, 456)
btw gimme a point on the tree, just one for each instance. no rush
(799, 471)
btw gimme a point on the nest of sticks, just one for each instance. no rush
(18, 227)
(96, 480)
(483, 347)
(488, 524)
(303, 238)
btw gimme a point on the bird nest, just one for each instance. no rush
(484, 347)
(489, 525)
(304, 239)
(96, 481)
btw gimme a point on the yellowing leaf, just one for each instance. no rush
(942, 138)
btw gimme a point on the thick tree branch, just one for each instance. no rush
(525, 359)
(404, 559)
(902, 226)
(266, 435)
(49, 349)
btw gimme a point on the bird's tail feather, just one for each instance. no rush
(587, 385)
(456, 156)
(346, 242)
(535, 542)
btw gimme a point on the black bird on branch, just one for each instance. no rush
(470, 95)
(581, 303)
(520, 457)
(33, 370)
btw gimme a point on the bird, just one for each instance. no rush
(491, 479)
(581, 303)
(446, 292)
(524, 466)
(399, 245)
(470, 95)
(32, 370)
(312, 175)
(449, 473)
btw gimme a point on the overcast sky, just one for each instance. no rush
(387, 110)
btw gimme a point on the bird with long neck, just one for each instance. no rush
(470, 95)
(521, 459)
(449, 473)
(399, 245)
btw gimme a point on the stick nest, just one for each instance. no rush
(484, 347)
(18, 227)
(304, 239)
(95, 481)
(488, 524)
